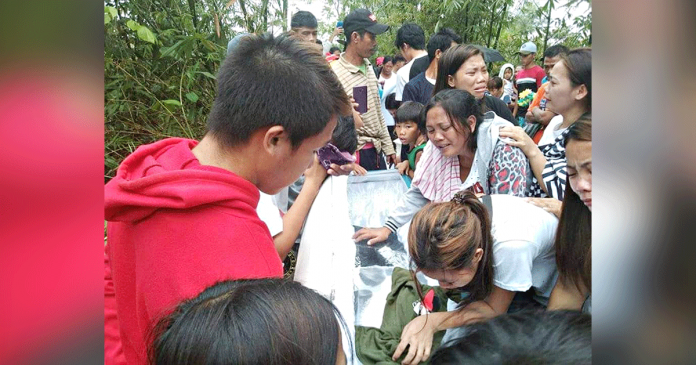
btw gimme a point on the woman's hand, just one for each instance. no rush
(519, 139)
(418, 336)
(373, 235)
(357, 169)
(551, 205)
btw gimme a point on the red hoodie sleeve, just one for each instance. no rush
(113, 350)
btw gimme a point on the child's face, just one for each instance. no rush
(408, 132)
(508, 74)
(497, 92)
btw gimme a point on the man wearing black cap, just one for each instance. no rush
(354, 69)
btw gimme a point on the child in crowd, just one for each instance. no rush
(506, 75)
(261, 321)
(495, 87)
(482, 251)
(182, 213)
(412, 134)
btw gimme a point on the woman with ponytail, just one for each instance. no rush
(481, 251)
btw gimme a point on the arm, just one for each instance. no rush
(566, 297)
(540, 116)
(295, 217)
(520, 139)
(411, 173)
(418, 334)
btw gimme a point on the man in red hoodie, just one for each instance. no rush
(182, 214)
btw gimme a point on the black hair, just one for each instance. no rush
(411, 34)
(440, 40)
(573, 242)
(303, 19)
(452, 34)
(459, 105)
(318, 42)
(555, 50)
(266, 81)
(334, 49)
(526, 338)
(449, 64)
(495, 82)
(578, 62)
(344, 136)
(412, 111)
(387, 59)
(398, 58)
(257, 321)
(390, 102)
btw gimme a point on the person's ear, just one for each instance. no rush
(274, 140)
(450, 80)
(478, 255)
(438, 53)
(580, 92)
(472, 123)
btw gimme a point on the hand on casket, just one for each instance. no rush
(373, 235)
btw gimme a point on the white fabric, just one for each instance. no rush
(507, 84)
(326, 258)
(381, 78)
(552, 130)
(523, 251)
(269, 214)
(432, 81)
(388, 89)
(402, 76)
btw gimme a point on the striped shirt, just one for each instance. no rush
(554, 173)
(375, 130)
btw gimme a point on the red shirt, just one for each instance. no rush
(175, 227)
(529, 78)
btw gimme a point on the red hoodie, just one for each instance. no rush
(175, 227)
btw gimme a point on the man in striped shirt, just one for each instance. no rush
(354, 69)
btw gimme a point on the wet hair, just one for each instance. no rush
(267, 81)
(411, 34)
(526, 338)
(259, 321)
(445, 236)
(555, 50)
(344, 136)
(495, 82)
(449, 64)
(390, 102)
(573, 243)
(411, 111)
(334, 49)
(440, 40)
(578, 62)
(303, 19)
(459, 105)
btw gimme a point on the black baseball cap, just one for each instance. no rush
(363, 19)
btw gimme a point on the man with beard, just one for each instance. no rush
(354, 69)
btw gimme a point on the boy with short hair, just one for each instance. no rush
(181, 213)
(412, 134)
(495, 86)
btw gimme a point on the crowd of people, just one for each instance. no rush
(498, 206)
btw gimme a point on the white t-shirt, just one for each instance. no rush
(402, 77)
(269, 214)
(552, 130)
(523, 251)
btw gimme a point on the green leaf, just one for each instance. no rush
(133, 25)
(107, 18)
(111, 11)
(171, 102)
(192, 96)
(145, 34)
(207, 74)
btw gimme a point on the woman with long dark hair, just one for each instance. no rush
(463, 151)
(574, 235)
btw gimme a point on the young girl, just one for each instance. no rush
(412, 133)
(483, 251)
(463, 151)
(569, 94)
(506, 74)
(574, 235)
